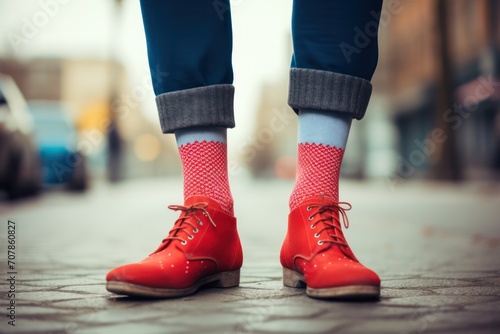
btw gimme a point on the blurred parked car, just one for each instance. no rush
(57, 141)
(19, 163)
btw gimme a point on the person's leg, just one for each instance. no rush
(189, 50)
(335, 55)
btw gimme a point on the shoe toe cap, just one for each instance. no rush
(125, 273)
(161, 275)
(137, 273)
(341, 275)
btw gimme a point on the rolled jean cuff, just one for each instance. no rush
(202, 106)
(324, 90)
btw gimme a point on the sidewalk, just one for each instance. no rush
(436, 248)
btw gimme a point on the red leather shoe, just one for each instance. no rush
(315, 254)
(202, 248)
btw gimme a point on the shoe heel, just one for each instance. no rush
(292, 279)
(228, 279)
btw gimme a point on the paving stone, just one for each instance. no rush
(398, 293)
(477, 330)
(275, 309)
(268, 284)
(455, 292)
(205, 321)
(28, 326)
(26, 311)
(265, 293)
(31, 288)
(461, 320)
(49, 296)
(423, 283)
(492, 281)
(97, 289)
(217, 295)
(252, 281)
(470, 291)
(355, 312)
(128, 328)
(406, 325)
(286, 325)
(462, 275)
(89, 303)
(437, 300)
(118, 315)
(57, 281)
(489, 306)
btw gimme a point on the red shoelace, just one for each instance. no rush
(331, 222)
(182, 223)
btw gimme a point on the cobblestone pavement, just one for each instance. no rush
(435, 246)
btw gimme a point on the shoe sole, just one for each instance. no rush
(294, 279)
(226, 279)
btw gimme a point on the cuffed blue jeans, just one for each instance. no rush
(190, 48)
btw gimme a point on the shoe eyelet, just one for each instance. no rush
(316, 235)
(195, 230)
(184, 242)
(310, 218)
(313, 226)
(308, 208)
(320, 242)
(200, 223)
(190, 237)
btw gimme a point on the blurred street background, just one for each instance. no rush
(79, 129)
(434, 112)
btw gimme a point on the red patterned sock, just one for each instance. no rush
(204, 165)
(318, 170)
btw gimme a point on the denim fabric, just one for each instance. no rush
(336, 36)
(191, 40)
(335, 55)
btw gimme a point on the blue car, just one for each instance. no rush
(57, 141)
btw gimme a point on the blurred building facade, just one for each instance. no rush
(435, 106)
(435, 48)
